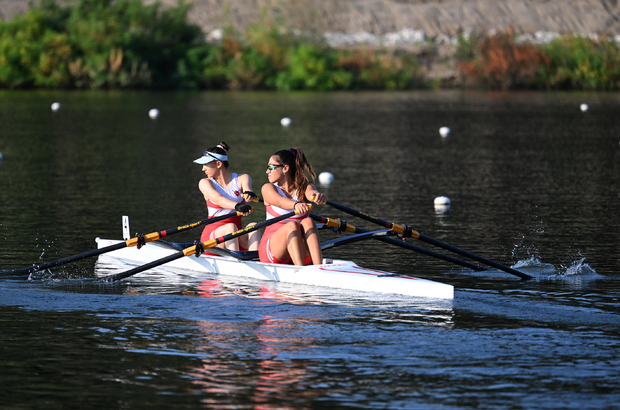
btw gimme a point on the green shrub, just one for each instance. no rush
(125, 44)
(312, 68)
(568, 62)
(100, 43)
(583, 63)
(32, 53)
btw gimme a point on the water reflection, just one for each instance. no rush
(441, 209)
(265, 373)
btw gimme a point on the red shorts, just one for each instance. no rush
(264, 251)
(209, 232)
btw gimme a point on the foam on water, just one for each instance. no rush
(536, 267)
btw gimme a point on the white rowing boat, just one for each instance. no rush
(332, 273)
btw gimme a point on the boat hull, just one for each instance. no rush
(334, 273)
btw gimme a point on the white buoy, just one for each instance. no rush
(326, 178)
(442, 204)
(444, 131)
(154, 113)
(285, 121)
(442, 209)
(55, 106)
(584, 107)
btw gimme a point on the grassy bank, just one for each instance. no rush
(568, 62)
(125, 44)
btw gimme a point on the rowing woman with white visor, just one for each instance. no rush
(226, 193)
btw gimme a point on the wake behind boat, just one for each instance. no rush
(332, 273)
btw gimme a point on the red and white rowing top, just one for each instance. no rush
(275, 211)
(233, 193)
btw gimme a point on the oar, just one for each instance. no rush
(408, 232)
(198, 248)
(336, 223)
(131, 242)
(345, 240)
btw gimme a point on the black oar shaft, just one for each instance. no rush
(153, 236)
(350, 228)
(142, 268)
(414, 234)
(473, 256)
(37, 268)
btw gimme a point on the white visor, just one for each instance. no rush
(210, 156)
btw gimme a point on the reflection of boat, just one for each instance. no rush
(333, 273)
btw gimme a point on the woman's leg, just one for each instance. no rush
(312, 240)
(287, 242)
(232, 244)
(251, 240)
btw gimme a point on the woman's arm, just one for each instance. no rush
(211, 194)
(245, 183)
(313, 195)
(271, 196)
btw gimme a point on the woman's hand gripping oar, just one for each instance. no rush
(343, 226)
(198, 248)
(139, 240)
(407, 232)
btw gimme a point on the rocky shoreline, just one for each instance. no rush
(436, 18)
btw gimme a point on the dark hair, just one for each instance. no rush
(222, 148)
(297, 162)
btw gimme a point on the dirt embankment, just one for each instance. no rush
(435, 17)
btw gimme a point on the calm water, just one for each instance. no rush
(534, 184)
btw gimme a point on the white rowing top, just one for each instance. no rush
(233, 193)
(275, 211)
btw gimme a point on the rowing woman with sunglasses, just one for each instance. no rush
(226, 193)
(294, 240)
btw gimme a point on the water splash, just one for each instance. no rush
(44, 244)
(525, 245)
(580, 268)
(535, 266)
(541, 269)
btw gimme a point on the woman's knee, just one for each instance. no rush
(308, 226)
(308, 223)
(292, 227)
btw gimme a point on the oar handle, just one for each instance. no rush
(193, 249)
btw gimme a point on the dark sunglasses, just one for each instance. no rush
(271, 167)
